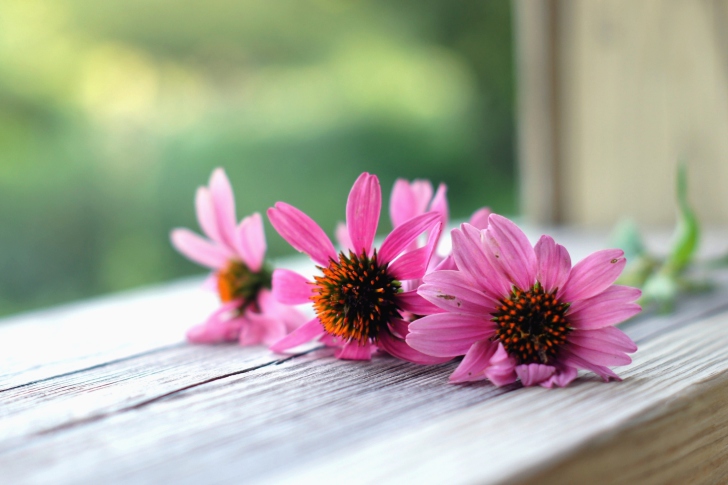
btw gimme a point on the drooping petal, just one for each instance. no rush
(220, 326)
(509, 251)
(469, 255)
(533, 374)
(223, 201)
(612, 306)
(448, 334)
(561, 378)
(604, 356)
(454, 292)
(400, 349)
(610, 338)
(206, 214)
(354, 351)
(476, 360)
(502, 369)
(305, 333)
(554, 263)
(362, 212)
(412, 302)
(254, 329)
(290, 287)
(200, 250)
(251, 242)
(439, 204)
(593, 274)
(302, 233)
(479, 219)
(422, 191)
(342, 237)
(285, 314)
(413, 264)
(402, 203)
(399, 327)
(403, 235)
(572, 360)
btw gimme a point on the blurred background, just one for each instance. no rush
(113, 112)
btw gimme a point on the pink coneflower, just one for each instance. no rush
(522, 312)
(357, 297)
(236, 255)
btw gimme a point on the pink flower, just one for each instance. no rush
(236, 255)
(357, 298)
(522, 312)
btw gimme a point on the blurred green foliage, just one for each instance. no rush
(113, 112)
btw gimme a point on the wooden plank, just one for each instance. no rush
(313, 409)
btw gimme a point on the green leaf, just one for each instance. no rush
(687, 232)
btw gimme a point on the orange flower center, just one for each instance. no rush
(355, 297)
(531, 325)
(237, 282)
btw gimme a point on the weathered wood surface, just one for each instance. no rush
(142, 406)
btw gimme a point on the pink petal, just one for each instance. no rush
(354, 351)
(469, 255)
(410, 301)
(554, 263)
(447, 263)
(402, 203)
(593, 274)
(508, 250)
(610, 338)
(610, 307)
(448, 334)
(362, 212)
(502, 369)
(200, 250)
(290, 287)
(476, 360)
(342, 237)
(253, 331)
(573, 360)
(399, 348)
(399, 327)
(221, 326)
(413, 264)
(605, 356)
(479, 219)
(439, 204)
(561, 378)
(532, 374)
(305, 333)
(302, 233)
(251, 242)
(454, 292)
(206, 214)
(422, 191)
(403, 235)
(286, 315)
(223, 201)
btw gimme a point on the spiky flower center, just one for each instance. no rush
(531, 325)
(237, 282)
(355, 297)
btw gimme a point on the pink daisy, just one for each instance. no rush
(357, 298)
(522, 312)
(236, 255)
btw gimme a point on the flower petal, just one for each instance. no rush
(302, 233)
(533, 374)
(287, 315)
(554, 263)
(454, 292)
(206, 214)
(509, 251)
(399, 348)
(469, 255)
(352, 350)
(479, 219)
(413, 264)
(362, 212)
(402, 203)
(305, 333)
(561, 378)
(220, 326)
(439, 204)
(403, 235)
(603, 356)
(476, 360)
(448, 334)
(593, 274)
(610, 338)
(251, 242)
(573, 360)
(502, 369)
(612, 306)
(199, 250)
(342, 237)
(290, 287)
(223, 201)
(410, 301)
